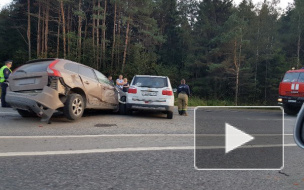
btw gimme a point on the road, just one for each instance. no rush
(109, 151)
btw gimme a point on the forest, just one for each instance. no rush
(237, 53)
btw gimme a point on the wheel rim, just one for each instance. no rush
(77, 107)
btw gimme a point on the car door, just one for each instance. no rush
(91, 85)
(108, 92)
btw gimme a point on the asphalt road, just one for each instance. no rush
(108, 151)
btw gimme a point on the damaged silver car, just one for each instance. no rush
(43, 86)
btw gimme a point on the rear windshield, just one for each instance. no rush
(291, 77)
(150, 82)
(34, 67)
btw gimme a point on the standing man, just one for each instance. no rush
(183, 93)
(5, 71)
(120, 82)
(110, 79)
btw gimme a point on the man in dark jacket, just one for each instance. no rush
(5, 71)
(183, 93)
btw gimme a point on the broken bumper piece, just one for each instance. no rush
(43, 104)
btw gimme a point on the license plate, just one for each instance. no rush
(27, 81)
(149, 93)
(292, 101)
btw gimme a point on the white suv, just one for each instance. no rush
(150, 92)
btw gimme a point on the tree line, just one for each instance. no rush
(224, 51)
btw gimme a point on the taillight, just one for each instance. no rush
(167, 92)
(132, 90)
(53, 72)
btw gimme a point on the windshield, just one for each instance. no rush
(34, 67)
(291, 77)
(150, 82)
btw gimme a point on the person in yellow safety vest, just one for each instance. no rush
(5, 71)
(183, 93)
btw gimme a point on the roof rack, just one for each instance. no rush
(38, 60)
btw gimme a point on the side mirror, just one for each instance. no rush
(299, 128)
(174, 90)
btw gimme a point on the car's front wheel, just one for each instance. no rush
(74, 107)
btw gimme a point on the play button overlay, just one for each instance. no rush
(235, 138)
(239, 138)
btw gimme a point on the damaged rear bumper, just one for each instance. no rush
(43, 104)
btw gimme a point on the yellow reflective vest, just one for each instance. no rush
(2, 79)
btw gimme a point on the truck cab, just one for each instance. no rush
(291, 91)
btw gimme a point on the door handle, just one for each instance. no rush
(86, 82)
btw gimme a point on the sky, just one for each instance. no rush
(283, 4)
(4, 2)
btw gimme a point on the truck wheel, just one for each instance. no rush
(122, 107)
(291, 110)
(73, 107)
(25, 113)
(169, 115)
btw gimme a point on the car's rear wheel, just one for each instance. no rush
(169, 115)
(74, 107)
(291, 109)
(25, 113)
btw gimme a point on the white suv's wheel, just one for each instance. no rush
(74, 107)
(170, 115)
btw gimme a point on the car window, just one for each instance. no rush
(87, 72)
(101, 78)
(291, 77)
(34, 67)
(72, 67)
(301, 77)
(150, 82)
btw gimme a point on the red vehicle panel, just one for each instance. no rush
(291, 91)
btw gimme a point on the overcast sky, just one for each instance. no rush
(4, 2)
(283, 4)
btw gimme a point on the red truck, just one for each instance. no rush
(291, 91)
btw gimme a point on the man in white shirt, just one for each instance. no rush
(120, 82)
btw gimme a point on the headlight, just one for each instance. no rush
(280, 100)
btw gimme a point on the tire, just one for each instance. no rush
(122, 107)
(129, 111)
(25, 113)
(291, 110)
(169, 115)
(74, 107)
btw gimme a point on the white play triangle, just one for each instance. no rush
(235, 138)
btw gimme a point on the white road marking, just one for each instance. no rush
(256, 135)
(246, 146)
(95, 136)
(66, 152)
(138, 149)
(14, 113)
(130, 135)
